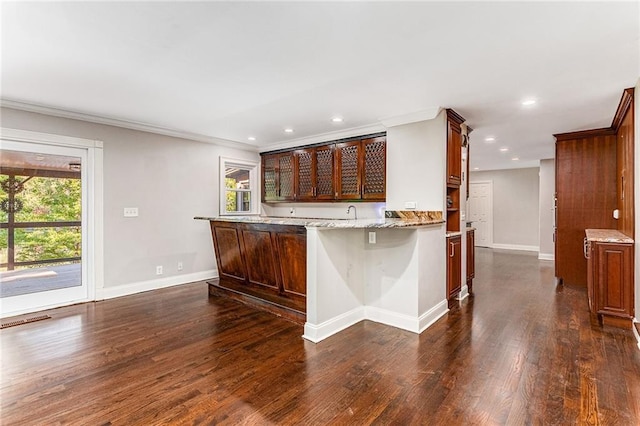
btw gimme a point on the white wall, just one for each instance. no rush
(515, 207)
(416, 164)
(170, 180)
(547, 194)
(324, 210)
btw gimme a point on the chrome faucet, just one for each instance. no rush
(355, 212)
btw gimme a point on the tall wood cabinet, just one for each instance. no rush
(594, 177)
(594, 185)
(453, 204)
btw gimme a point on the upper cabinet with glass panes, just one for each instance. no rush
(345, 170)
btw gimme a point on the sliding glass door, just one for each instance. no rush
(42, 226)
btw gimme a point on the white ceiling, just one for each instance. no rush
(232, 70)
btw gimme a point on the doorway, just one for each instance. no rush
(47, 221)
(480, 211)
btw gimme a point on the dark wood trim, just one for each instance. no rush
(454, 116)
(43, 262)
(39, 173)
(582, 134)
(623, 107)
(330, 142)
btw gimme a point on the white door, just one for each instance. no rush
(44, 238)
(480, 212)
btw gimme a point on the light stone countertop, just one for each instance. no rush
(453, 233)
(329, 223)
(607, 236)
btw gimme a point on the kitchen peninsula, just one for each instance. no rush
(331, 274)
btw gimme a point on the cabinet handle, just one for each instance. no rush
(585, 248)
(451, 251)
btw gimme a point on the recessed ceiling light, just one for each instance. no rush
(489, 139)
(288, 130)
(251, 138)
(504, 149)
(529, 102)
(337, 119)
(476, 168)
(515, 159)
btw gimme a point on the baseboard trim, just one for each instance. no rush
(139, 287)
(427, 319)
(546, 256)
(516, 247)
(315, 333)
(635, 330)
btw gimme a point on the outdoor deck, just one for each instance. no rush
(25, 281)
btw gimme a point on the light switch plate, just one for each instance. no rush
(130, 212)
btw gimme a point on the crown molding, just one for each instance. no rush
(414, 117)
(126, 124)
(324, 137)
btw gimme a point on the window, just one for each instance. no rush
(238, 187)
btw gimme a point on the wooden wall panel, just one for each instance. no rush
(586, 193)
(293, 266)
(227, 247)
(261, 269)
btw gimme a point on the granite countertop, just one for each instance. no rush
(607, 236)
(331, 223)
(452, 233)
(470, 228)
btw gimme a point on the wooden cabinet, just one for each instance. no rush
(454, 269)
(361, 170)
(594, 176)
(265, 262)
(454, 148)
(278, 182)
(314, 173)
(610, 281)
(353, 169)
(471, 258)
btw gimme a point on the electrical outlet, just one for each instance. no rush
(372, 237)
(130, 212)
(159, 270)
(180, 266)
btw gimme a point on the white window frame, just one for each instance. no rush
(254, 203)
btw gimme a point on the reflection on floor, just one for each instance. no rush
(26, 281)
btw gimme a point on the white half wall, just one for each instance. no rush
(516, 194)
(416, 164)
(170, 180)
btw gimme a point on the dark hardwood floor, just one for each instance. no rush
(521, 351)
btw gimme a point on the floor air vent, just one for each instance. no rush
(24, 321)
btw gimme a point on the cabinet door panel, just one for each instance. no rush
(269, 182)
(261, 269)
(305, 172)
(230, 260)
(292, 249)
(324, 173)
(615, 278)
(454, 266)
(454, 154)
(348, 170)
(374, 185)
(285, 177)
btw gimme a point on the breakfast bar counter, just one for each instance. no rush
(332, 273)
